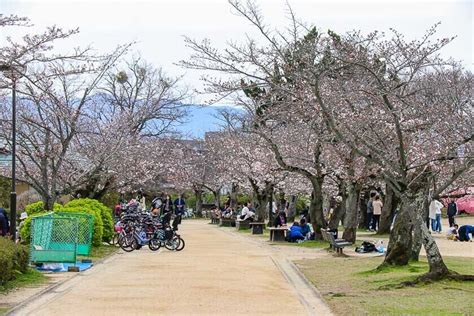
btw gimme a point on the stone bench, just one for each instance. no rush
(278, 233)
(257, 228)
(227, 222)
(241, 224)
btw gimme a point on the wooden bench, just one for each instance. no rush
(241, 224)
(227, 222)
(336, 244)
(277, 233)
(257, 228)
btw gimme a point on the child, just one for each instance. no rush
(305, 229)
(452, 233)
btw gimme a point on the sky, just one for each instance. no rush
(158, 26)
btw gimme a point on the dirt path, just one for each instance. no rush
(215, 274)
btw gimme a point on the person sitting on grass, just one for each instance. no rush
(464, 232)
(280, 220)
(452, 232)
(295, 233)
(305, 229)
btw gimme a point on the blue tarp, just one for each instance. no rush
(62, 267)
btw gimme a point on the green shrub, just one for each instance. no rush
(38, 207)
(104, 212)
(13, 260)
(25, 230)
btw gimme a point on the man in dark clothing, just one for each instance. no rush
(179, 205)
(370, 211)
(4, 223)
(452, 211)
(464, 231)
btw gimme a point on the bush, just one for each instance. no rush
(104, 212)
(38, 207)
(25, 230)
(13, 260)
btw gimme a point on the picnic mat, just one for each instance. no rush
(62, 267)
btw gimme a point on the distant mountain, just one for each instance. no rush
(201, 120)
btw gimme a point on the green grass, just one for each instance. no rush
(31, 277)
(4, 310)
(306, 244)
(101, 252)
(354, 286)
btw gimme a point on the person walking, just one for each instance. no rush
(370, 211)
(435, 215)
(452, 211)
(179, 205)
(377, 206)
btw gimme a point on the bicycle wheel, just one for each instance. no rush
(126, 242)
(181, 244)
(154, 244)
(171, 244)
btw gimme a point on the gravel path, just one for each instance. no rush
(215, 274)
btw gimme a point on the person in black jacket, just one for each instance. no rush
(167, 209)
(452, 211)
(4, 223)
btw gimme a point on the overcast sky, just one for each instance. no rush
(159, 25)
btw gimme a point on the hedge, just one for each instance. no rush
(38, 207)
(13, 260)
(97, 234)
(104, 211)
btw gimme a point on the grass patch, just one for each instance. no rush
(307, 244)
(101, 252)
(4, 310)
(354, 286)
(31, 277)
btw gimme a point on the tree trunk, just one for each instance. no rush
(233, 195)
(389, 206)
(217, 198)
(363, 210)
(417, 233)
(281, 200)
(316, 208)
(352, 203)
(338, 208)
(400, 244)
(198, 193)
(48, 202)
(292, 208)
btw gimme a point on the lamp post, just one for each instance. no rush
(12, 72)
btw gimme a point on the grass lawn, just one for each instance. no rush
(352, 286)
(31, 277)
(98, 253)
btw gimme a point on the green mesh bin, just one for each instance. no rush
(60, 237)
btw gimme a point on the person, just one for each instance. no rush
(370, 211)
(23, 217)
(179, 205)
(464, 231)
(452, 232)
(167, 209)
(305, 229)
(295, 233)
(4, 223)
(246, 212)
(156, 204)
(435, 215)
(377, 210)
(451, 212)
(280, 220)
(117, 210)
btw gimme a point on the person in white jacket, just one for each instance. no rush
(435, 215)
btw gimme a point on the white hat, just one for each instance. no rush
(23, 216)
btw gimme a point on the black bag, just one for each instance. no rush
(366, 247)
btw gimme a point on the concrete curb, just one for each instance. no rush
(12, 311)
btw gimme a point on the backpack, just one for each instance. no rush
(366, 247)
